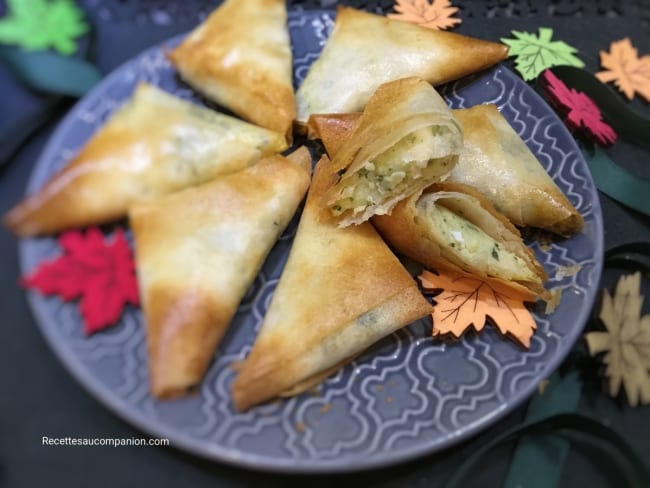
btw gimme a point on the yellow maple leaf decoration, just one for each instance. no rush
(626, 342)
(436, 15)
(629, 73)
(467, 300)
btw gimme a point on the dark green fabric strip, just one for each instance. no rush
(24, 125)
(640, 247)
(628, 124)
(45, 71)
(617, 182)
(633, 470)
(632, 255)
(538, 463)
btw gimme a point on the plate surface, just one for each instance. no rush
(408, 395)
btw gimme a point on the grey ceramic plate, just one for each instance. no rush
(408, 395)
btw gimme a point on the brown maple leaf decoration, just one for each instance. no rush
(467, 300)
(436, 15)
(629, 72)
(626, 342)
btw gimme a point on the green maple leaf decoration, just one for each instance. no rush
(533, 54)
(41, 24)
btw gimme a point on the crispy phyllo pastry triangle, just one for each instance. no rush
(240, 57)
(494, 160)
(366, 50)
(198, 251)
(341, 290)
(452, 226)
(154, 144)
(497, 162)
(405, 140)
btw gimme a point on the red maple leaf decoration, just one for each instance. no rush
(101, 273)
(579, 110)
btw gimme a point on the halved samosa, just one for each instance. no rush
(341, 290)
(453, 226)
(366, 50)
(198, 251)
(154, 144)
(240, 57)
(494, 160)
(497, 162)
(406, 139)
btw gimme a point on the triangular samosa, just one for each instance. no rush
(240, 57)
(494, 160)
(154, 144)
(341, 290)
(497, 162)
(198, 251)
(366, 50)
(405, 140)
(454, 227)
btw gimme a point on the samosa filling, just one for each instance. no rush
(392, 171)
(474, 246)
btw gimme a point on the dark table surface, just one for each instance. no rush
(39, 397)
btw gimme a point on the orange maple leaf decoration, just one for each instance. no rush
(629, 73)
(469, 301)
(435, 15)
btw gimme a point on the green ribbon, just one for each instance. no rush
(632, 467)
(23, 125)
(628, 124)
(616, 182)
(537, 463)
(611, 179)
(48, 72)
(632, 255)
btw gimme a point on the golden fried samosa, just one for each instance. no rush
(366, 50)
(154, 144)
(497, 162)
(240, 57)
(453, 226)
(197, 253)
(405, 140)
(341, 290)
(494, 160)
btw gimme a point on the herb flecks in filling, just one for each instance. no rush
(474, 246)
(389, 173)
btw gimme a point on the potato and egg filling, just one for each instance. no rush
(473, 246)
(390, 173)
